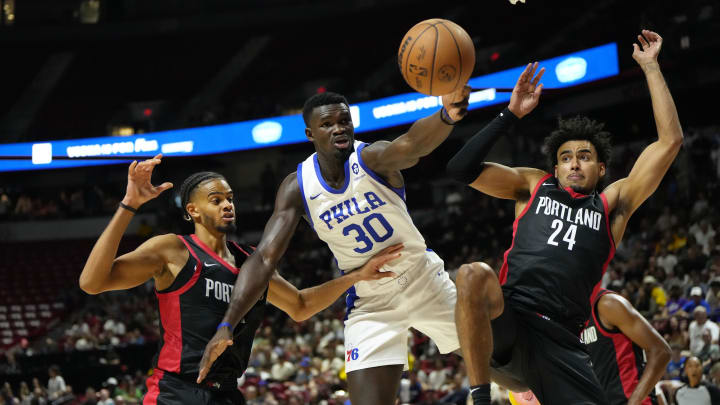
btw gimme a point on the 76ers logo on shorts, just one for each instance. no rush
(352, 355)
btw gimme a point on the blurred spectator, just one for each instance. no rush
(666, 260)
(697, 328)
(666, 220)
(5, 205)
(104, 398)
(410, 388)
(676, 302)
(23, 207)
(283, 369)
(710, 351)
(90, 397)
(677, 333)
(714, 374)
(437, 376)
(696, 299)
(56, 384)
(693, 259)
(696, 392)
(704, 234)
(713, 295)
(678, 240)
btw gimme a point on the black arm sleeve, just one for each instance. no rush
(467, 164)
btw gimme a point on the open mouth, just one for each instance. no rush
(341, 142)
(228, 218)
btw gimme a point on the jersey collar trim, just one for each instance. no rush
(321, 179)
(209, 251)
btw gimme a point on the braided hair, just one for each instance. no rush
(190, 184)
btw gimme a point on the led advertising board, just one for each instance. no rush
(562, 71)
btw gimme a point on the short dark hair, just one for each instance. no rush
(321, 99)
(191, 183)
(579, 128)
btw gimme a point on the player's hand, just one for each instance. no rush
(139, 188)
(215, 347)
(371, 269)
(456, 103)
(647, 52)
(526, 93)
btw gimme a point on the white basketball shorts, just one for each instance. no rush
(376, 328)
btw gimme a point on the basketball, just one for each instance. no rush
(436, 57)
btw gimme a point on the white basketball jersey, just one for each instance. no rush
(363, 217)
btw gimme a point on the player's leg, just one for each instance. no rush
(479, 300)
(558, 370)
(376, 385)
(166, 389)
(376, 345)
(433, 314)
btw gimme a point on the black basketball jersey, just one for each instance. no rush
(561, 247)
(617, 361)
(193, 306)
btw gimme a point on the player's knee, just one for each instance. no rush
(475, 277)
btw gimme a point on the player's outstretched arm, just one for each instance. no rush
(422, 138)
(256, 271)
(303, 304)
(616, 312)
(468, 166)
(655, 160)
(104, 272)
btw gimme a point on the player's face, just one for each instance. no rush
(212, 205)
(578, 166)
(693, 369)
(332, 131)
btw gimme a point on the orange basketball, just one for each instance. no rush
(436, 57)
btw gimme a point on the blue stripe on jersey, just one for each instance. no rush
(326, 186)
(302, 191)
(350, 301)
(398, 190)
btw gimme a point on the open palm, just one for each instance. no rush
(526, 93)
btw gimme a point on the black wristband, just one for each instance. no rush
(445, 117)
(129, 208)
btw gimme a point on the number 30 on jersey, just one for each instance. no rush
(375, 225)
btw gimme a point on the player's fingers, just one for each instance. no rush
(165, 186)
(538, 91)
(392, 248)
(650, 35)
(159, 189)
(131, 168)
(523, 75)
(384, 274)
(532, 72)
(201, 375)
(203, 365)
(389, 258)
(538, 77)
(636, 48)
(643, 42)
(461, 104)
